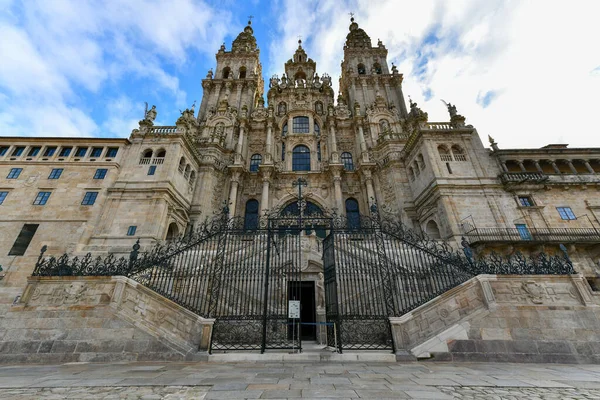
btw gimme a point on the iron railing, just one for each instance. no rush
(244, 275)
(547, 235)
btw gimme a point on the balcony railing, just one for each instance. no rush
(520, 177)
(555, 235)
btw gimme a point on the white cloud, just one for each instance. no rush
(537, 60)
(56, 53)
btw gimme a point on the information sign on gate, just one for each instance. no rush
(294, 309)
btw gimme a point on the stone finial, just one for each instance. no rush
(493, 143)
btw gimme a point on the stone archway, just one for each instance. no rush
(172, 231)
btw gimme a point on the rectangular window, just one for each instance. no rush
(96, 152)
(3, 196)
(65, 151)
(525, 201)
(14, 173)
(23, 240)
(300, 125)
(100, 173)
(152, 170)
(566, 213)
(89, 199)
(34, 151)
(18, 151)
(55, 173)
(523, 231)
(50, 151)
(131, 230)
(41, 198)
(81, 152)
(112, 152)
(3, 150)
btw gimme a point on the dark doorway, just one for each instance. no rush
(305, 292)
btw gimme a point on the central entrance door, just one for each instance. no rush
(305, 292)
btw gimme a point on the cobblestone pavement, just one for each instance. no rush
(300, 380)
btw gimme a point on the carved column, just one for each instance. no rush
(233, 191)
(538, 167)
(370, 190)
(555, 167)
(239, 147)
(503, 165)
(264, 200)
(571, 166)
(363, 144)
(333, 144)
(589, 167)
(337, 189)
(521, 165)
(269, 150)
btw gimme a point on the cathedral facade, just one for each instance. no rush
(366, 147)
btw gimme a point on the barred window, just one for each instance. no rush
(300, 125)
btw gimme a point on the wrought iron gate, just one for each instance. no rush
(240, 274)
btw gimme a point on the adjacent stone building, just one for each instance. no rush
(365, 146)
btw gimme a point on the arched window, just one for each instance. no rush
(361, 69)
(186, 174)
(384, 126)
(416, 168)
(192, 178)
(172, 231)
(347, 161)
(352, 214)
(444, 153)
(282, 151)
(181, 164)
(242, 72)
(251, 215)
(284, 130)
(377, 68)
(411, 173)
(226, 72)
(300, 125)
(301, 158)
(161, 153)
(458, 153)
(432, 230)
(317, 129)
(255, 161)
(148, 153)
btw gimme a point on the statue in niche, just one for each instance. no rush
(282, 108)
(319, 108)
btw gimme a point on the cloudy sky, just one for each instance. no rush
(525, 72)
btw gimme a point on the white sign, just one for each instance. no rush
(294, 309)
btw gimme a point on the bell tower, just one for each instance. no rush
(237, 79)
(366, 76)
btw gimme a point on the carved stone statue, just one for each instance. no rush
(320, 287)
(274, 81)
(151, 114)
(281, 108)
(209, 75)
(452, 110)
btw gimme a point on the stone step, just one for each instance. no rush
(323, 356)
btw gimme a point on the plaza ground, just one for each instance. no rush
(283, 380)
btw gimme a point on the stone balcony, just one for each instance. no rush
(533, 235)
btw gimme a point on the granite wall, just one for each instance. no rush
(549, 319)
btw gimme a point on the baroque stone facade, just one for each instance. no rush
(363, 147)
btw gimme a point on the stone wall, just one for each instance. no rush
(546, 319)
(67, 319)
